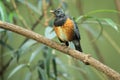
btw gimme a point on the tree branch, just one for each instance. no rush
(66, 50)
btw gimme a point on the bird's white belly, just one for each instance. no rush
(62, 35)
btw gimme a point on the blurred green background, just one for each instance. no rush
(25, 59)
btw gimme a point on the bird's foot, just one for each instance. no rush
(63, 44)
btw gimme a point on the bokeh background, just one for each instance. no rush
(25, 59)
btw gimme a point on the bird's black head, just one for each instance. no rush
(58, 12)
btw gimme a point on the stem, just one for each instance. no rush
(66, 50)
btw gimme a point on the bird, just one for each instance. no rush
(66, 29)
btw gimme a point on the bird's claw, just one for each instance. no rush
(62, 44)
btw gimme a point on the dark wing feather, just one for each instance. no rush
(77, 38)
(76, 31)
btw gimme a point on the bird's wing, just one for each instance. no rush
(76, 31)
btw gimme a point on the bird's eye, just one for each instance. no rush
(58, 11)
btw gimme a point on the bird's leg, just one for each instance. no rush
(64, 43)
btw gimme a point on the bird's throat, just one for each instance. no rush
(59, 21)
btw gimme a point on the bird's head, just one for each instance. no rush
(58, 12)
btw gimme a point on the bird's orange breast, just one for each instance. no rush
(66, 31)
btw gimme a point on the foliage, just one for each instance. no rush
(29, 60)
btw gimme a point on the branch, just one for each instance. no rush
(66, 50)
(117, 3)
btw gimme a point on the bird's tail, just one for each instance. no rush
(77, 45)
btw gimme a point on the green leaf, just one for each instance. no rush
(4, 44)
(61, 64)
(42, 73)
(2, 14)
(48, 52)
(35, 53)
(101, 11)
(2, 11)
(10, 36)
(79, 18)
(16, 70)
(54, 67)
(8, 1)
(31, 6)
(11, 15)
(101, 26)
(27, 45)
(64, 4)
(24, 48)
(28, 76)
(40, 5)
(111, 23)
(99, 22)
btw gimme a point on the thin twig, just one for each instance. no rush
(18, 13)
(117, 3)
(37, 22)
(66, 50)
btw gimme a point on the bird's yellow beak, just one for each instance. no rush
(52, 11)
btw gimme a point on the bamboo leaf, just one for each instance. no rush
(79, 18)
(111, 23)
(6, 45)
(101, 11)
(101, 26)
(27, 45)
(42, 73)
(99, 22)
(35, 53)
(28, 76)
(31, 6)
(2, 12)
(11, 16)
(16, 70)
